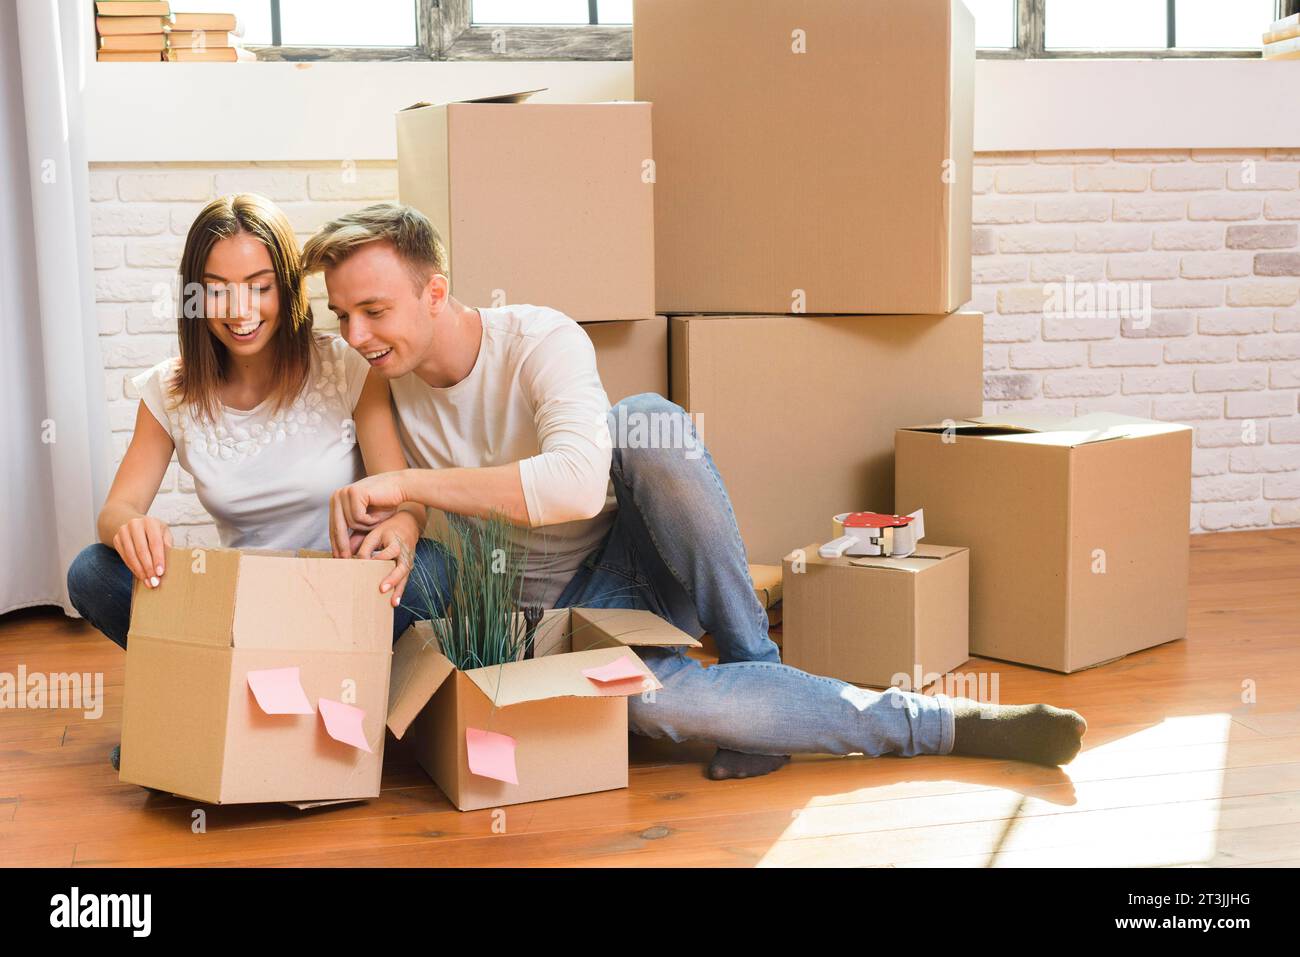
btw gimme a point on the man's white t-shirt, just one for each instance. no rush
(534, 396)
(265, 475)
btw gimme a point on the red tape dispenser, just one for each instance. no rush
(873, 533)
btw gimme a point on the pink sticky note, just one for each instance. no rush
(491, 755)
(343, 723)
(620, 669)
(279, 691)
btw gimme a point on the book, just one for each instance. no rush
(117, 26)
(1285, 33)
(211, 55)
(133, 8)
(201, 40)
(226, 22)
(135, 43)
(128, 56)
(1283, 49)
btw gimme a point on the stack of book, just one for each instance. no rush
(1282, 41)
(132, 30)
(147, 31)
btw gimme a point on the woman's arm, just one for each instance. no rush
(140, 539)
(381, 450)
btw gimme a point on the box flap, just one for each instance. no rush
(558, 676)
(325, 604)
(517, 97)
(419, 669)
(195, 600)
(624, 627)
(1043, 428)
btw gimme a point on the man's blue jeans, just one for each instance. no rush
(675, 549)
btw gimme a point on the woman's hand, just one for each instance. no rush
(143, 542)
(396, 539)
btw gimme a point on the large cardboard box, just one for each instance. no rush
(632, 356)
(546, 203)
(1078, 529)
(799, 412)
(193, 724)
(566, 731)
(873, 620)
(811, 156)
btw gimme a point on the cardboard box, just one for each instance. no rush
(869, 620)
(825, 147)
(1078, 529)
(570, 732)
(546, 203)
(632, 356)
(799, 412)
(192, 724)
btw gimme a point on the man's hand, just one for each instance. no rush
(363, 506)
(394, 538)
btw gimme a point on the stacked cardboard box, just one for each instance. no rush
(812, 231)
(546, 203)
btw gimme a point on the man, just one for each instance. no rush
(497, 410)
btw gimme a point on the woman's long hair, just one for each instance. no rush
(204, 359)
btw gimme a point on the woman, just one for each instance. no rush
(258, 410)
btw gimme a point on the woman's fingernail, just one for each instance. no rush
(385, 586)
(153, 583)
(160, 569)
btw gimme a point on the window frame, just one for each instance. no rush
(1031, 38)
(444, 32)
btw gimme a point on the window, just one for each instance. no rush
(1141, 28)
(602, 29)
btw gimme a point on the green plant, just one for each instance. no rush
(476, 620)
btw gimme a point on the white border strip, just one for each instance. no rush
(199, 112)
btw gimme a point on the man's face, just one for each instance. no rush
(381, 313)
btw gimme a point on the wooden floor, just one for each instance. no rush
(1177, 770)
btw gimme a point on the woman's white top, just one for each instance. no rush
(265, 475)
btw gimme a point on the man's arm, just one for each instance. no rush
(566, 481)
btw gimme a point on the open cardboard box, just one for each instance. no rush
(870, 619)
(1078, 529)
(546, 203)
(193, 724)
(565, 733)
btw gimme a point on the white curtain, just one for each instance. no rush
(54, 431)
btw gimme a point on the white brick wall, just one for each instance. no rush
(1212, 234)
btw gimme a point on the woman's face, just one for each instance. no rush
(242, 298)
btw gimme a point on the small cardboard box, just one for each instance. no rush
(869, 620)
(810, 157)
(799, 412)
(569, 731)
(631, 355)
(192, 723)
(1078, 529)
(546, 203)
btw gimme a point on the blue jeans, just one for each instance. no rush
(675, 549)
(99, 586)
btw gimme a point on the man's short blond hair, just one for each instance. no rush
(405, 227)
